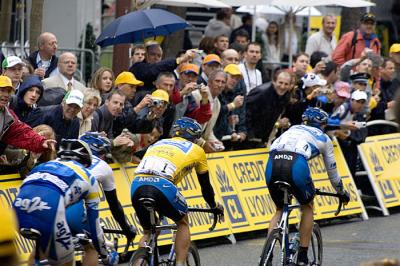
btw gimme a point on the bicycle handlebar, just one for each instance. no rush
(324, 193)
(208, 210)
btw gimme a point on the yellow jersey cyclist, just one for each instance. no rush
(288, 162)
(163, 166)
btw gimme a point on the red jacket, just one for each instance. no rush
(19, 134)
(344, 49)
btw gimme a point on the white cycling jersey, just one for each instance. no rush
(310, 142)
(103, 173)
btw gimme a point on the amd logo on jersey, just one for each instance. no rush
(284, 157)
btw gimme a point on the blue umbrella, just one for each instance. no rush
(139, 25)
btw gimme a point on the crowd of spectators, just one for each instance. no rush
(222, 84)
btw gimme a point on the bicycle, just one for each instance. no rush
(79, 241)
(281, 247)
(149, 255)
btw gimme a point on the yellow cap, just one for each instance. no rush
(5, 82)
(211, 58)
(8, 228)
(160, 95)
(395, 48)
(127, 78)
(233, 70)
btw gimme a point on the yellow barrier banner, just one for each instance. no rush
(381, 158)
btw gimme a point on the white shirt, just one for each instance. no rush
(320, 42)
(45, 65)
(252, 77)
(66, 81)
(103, 173)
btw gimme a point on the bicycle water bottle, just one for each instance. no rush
(295, 243)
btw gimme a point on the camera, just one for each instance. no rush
(198, 86)
(157, 102)
(360, 124)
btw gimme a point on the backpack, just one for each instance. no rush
(353, 43)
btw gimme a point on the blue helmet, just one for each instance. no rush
(315, 117)
(186, 128)
(98, 144)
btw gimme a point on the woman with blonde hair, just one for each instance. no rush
(103, 80)
(91, 101)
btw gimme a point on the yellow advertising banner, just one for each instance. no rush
(381, 158)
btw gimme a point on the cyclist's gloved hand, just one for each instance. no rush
(111, 259)
(219, 211)
(130, 233)
(345, 197)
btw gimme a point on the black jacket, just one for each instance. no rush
(53, 63)
(263, 108)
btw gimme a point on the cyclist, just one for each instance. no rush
(48, 190)
(288, 162)
(76, 217)
(163, 166)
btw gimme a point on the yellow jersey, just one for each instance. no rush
(173, 159)
(8, 233)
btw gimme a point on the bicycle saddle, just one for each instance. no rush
(282, 185)
(148, 203)
(30, 233)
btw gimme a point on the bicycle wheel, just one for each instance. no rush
(193, 258)
(315, 249)
(271, 254)
(140, 258)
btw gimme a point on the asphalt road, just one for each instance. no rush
(346, 242)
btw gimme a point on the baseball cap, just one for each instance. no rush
(360, 77)
(11, 61)
(310, 80)
(395, 48)
(5, 82)
(211, 58)
(368, 17)
(74, 96)
(161, 95)
(127, 77)
(342, 89)
(189, 68)
(359, 95)
(233, 70)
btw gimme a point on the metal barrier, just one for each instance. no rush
(15, 49)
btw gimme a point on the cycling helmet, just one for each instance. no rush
(75, 149)
(186, 128)
(99, 145)
(315, 117)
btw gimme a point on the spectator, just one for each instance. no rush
(210, 63)
(318, 61)
(91, 100)
(132, 117)
(272, 48)
(340, 95)
(394, 53)
(353, 43)
(12, 68)
(182, 97)
(360, 65)
(231, 123)
(29, 93)
(13, 131)
(287, 33)
(264, 106)
(220, 25)
(330, 74)
(300, 65)
(65, 78)
(229, 56)
(242, 38)
(207, 45)
(325, 39)
(217, 82)
(148, 70)
(247, 24)
(103, 80)
(234, 20)
(44, 60)
(62, 117)
(138, 54)
(104, 116)
(221, 43)
(348, 140)
(27, 69)
(251, 75)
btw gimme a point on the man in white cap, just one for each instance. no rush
(12, 68)
(62, 117)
